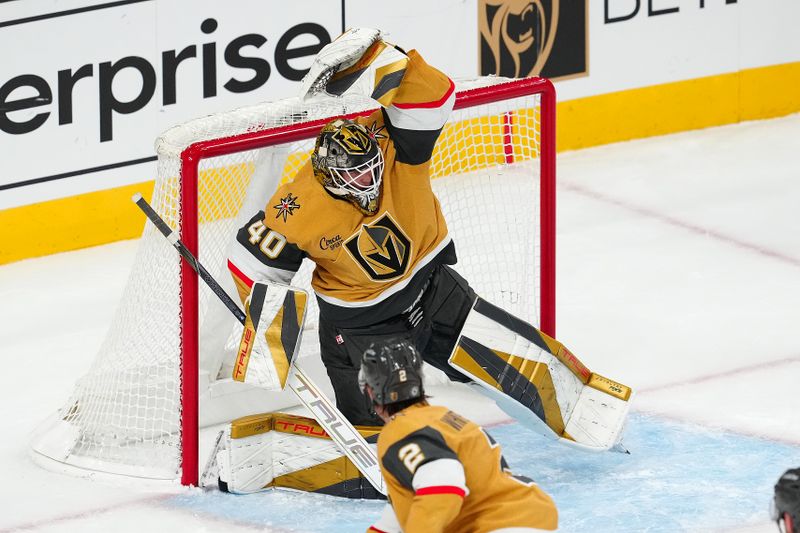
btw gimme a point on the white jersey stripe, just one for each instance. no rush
(243, 260)
(421, 118)
(441, 472)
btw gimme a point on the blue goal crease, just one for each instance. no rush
(678, 477)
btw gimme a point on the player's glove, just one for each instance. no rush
(359, 62)
(338, 55)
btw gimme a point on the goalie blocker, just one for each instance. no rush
(538, 381)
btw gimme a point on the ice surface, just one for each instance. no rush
(678, 274)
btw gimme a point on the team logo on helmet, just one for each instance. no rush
(393, 370)
(381, 249)
(355, 140)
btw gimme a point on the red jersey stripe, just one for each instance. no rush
(429, 105)
(239, 274)
(442, 489)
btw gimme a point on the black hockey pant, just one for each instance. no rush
(445, 303)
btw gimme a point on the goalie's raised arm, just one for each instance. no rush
(416, 96)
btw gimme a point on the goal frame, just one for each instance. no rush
(191, 157)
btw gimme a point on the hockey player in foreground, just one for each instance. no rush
(443, 472)
(364, 211)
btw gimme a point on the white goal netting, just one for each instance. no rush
(125, 414)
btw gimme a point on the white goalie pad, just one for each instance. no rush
(535, 379)
(271, 337)
(278, 450)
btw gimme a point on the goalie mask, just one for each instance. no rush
(349, 163)
(393, 370)
(786, 504)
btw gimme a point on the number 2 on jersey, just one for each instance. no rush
(411, 455)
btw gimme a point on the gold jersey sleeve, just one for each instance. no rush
(426, 497)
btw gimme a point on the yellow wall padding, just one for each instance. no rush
(71, 223)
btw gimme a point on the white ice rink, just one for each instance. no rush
(678, 274)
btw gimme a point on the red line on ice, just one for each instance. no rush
(682, 224)
(724, 374)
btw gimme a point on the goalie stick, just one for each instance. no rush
(329, 417)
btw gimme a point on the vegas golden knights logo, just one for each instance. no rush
(520, 38)
(381, 249)
(353, 140)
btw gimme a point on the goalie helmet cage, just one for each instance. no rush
(136, 411)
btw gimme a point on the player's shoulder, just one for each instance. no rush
(376, 126)
(295, 202)
(410, 420)
(413, 439)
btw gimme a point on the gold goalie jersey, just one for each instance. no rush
(445, 473)
(368, 268)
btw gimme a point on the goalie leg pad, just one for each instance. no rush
(276, 450)
(271, 335)
(521, 367)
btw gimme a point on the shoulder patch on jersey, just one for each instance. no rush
(404, 457)
(375, 131)
(287, 206)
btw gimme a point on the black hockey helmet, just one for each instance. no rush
(393, 370)
(349, 163)
(786, 504)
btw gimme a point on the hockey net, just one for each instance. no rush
(136, 410)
